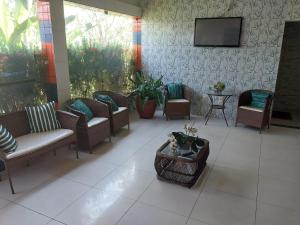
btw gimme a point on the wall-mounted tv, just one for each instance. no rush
(218, 32)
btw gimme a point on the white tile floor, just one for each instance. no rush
(251, 179)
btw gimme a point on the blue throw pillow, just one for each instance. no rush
(175, 91)
(83, 108)
(107, 99)
(259, 99)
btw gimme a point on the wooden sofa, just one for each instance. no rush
(30, 144)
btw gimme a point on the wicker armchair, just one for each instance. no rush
(178, 107)
(94, 131)
(252, 116)
(120, 118)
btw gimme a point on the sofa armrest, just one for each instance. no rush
(67, 119)
(99, 109)
(188, 93)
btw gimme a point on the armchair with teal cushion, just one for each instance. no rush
(254, 108)
(118, 108)
(178, 99)
(93, 126)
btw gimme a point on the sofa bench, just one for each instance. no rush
(30, 144)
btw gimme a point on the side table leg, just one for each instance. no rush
(224, 117)
(208, 115)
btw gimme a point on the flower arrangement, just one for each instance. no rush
(183, 139)
(189, 129)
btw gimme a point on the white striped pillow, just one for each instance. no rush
(7, 142)
(42, 118)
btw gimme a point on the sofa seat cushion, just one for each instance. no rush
(31, 142)
(182, 100)
(251, 108)
(96, 120)
(121, 109)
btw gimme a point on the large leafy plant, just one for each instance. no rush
(148, 88)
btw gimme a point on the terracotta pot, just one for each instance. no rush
(149, 109)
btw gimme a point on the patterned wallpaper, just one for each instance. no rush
(168, 30)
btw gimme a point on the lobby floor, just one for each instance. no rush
(251, 178)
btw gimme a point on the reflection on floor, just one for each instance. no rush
(293, 122)
(251, 178)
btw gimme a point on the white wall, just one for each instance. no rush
(168, 30)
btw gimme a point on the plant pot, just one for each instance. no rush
(146, 112)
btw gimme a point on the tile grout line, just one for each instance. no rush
(135, 201)
(208, 173)
(259, 161)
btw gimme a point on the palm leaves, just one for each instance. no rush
(15, 20)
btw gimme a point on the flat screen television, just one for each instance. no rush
(218, 32)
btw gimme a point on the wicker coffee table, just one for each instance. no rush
(183, 170)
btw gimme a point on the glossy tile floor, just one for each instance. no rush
(251, 178)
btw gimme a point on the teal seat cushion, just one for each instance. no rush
(80, 106)
(108, 100)
(259, 99)
(175, 91)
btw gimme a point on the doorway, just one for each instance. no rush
(286, 110)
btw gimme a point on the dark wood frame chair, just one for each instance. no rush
(87, 136)
(17, 124)
(120, 119)
(254, 118)
(178, 109)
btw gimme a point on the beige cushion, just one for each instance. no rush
(178, 100)
(96, 120)
(34, 141)
(251, 108)
(121, 109)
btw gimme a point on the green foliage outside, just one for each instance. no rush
(93, 67)
(21, 65)
(99, 50)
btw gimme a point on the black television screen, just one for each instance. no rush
(218, 32)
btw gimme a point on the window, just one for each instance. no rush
(21, 62)
(99, 49)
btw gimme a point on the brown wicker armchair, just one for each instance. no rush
(94, 131)
(120, 118)
(178, 107)
(252, 116)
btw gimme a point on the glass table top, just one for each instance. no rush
(220, 93)
(179, 152)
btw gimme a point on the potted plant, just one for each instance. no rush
(219, 86)
(149, 95)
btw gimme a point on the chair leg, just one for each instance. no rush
(109, 139)
(76, 152)
(9, 179)
(128, 126)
